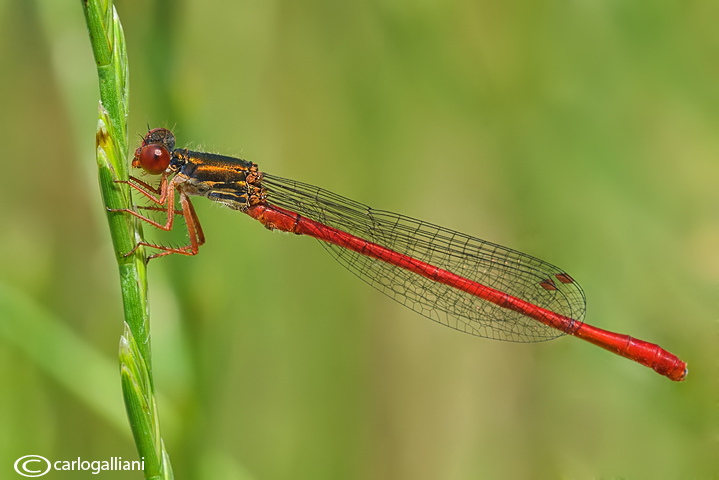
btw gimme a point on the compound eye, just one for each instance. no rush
(154, 159)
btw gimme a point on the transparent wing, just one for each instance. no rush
(523, 276)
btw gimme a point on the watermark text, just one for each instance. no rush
(37, 465)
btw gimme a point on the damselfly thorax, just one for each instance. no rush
(231, 181)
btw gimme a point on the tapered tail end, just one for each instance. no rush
(671, 367)
(648, 354)
(683, 375)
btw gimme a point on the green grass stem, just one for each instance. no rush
(108, 44)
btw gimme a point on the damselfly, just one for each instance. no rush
(457, 280)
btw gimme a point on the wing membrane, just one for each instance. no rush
(523, 276)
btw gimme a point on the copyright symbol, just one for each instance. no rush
(32, 466)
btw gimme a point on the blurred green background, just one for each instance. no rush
(584, 133)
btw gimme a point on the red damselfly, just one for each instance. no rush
(460, 281)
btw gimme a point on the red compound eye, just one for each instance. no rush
(154, 159)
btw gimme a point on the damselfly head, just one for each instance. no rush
(155, 153)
